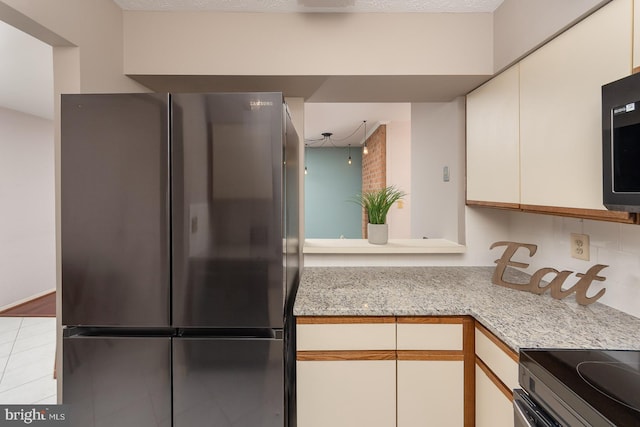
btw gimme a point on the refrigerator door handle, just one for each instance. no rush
(234, 333)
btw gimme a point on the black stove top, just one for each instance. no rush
(590, 387)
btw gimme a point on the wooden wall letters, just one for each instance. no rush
(555, 285)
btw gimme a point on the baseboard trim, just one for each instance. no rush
(26, 300)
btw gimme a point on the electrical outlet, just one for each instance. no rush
(580, 246)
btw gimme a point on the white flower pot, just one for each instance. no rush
(378, 233)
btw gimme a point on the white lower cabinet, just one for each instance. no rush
(386, 372)
(402, 372)
(430, 393)
(347, 393)
(496, 377)
(493, 408)
(430, 379)
(346, 372)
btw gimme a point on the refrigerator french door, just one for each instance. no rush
(227, 211)
(173, 223)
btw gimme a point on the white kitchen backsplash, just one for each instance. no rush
(616, 245)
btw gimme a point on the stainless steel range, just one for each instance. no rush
(578, 388)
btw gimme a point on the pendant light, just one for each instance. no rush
(349, 161)
(365, 150)
(305, 159)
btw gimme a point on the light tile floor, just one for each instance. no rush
(27, 354)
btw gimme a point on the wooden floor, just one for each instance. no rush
(44, 306)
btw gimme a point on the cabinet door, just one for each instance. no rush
(493, 407)
(493, 157)
(430, 392)
(560, 109)
(346, 393)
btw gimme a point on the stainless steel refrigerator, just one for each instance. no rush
(180, 259)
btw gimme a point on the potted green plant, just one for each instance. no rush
(376, 204)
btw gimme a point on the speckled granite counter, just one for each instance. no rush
(520, 319)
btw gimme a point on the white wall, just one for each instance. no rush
(399, 174)
(26, 73)
(95, 27)
(437, 140)
(87, 57)
(27, 221)
(307, 44)
(612, 244)
(522, 25)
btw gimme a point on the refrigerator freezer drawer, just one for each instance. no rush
(224, 382)
(117, 381)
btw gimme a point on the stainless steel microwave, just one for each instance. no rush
(621, 144)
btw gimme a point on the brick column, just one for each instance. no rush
(374, 166)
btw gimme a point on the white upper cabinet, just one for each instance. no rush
(560, 109)
(493, 157)
(534, 132)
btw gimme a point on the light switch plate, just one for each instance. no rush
(580, 246)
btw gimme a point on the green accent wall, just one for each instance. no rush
(330, 184)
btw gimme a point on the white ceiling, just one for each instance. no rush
(344, 120)
(284, 6)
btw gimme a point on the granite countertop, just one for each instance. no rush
(520, 319)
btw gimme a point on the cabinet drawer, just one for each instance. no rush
(346, 334)
(429, 334)
(501, 360)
